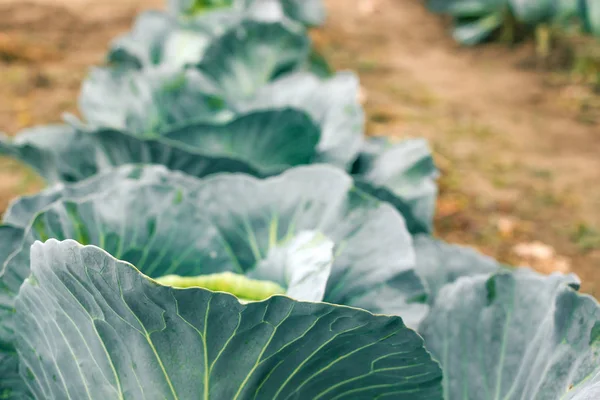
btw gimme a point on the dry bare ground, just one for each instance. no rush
(520, 154)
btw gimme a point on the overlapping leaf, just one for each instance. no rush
(332, 103)
(152, 218)
(252, 216)
(403, 174)
(259, 143)
(516, 335)
(87, 332)
(150, 103)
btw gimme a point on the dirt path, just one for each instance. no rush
(520, 154)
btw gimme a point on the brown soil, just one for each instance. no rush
(519, 148)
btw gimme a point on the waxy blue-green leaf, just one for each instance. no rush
(373, 267)
(167, 223)
(158, 38)
(332, 103)
(440, 263)
(403, 174)
(259, 143)
(253, 53)
(269, 141)
(22, 210)
(150, 101)
(94, 327)
(64, 154)
(302, 264)
(516, 335)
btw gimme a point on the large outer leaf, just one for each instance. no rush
(374, 249)
(129, 214)
(152, 102)
(516, 336)
(308, 12)
(149, 101)
(269, 141)
(113, 333)
(332, 104)
(64, 154)
(278, 139)
(402, 174)
(253, 53)
(19, 216)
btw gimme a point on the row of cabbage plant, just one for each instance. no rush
(219, 227)
(477, 20)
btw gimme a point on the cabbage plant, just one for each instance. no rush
(95, 327)
(183, 120)
(306, 235)
(100, 325)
